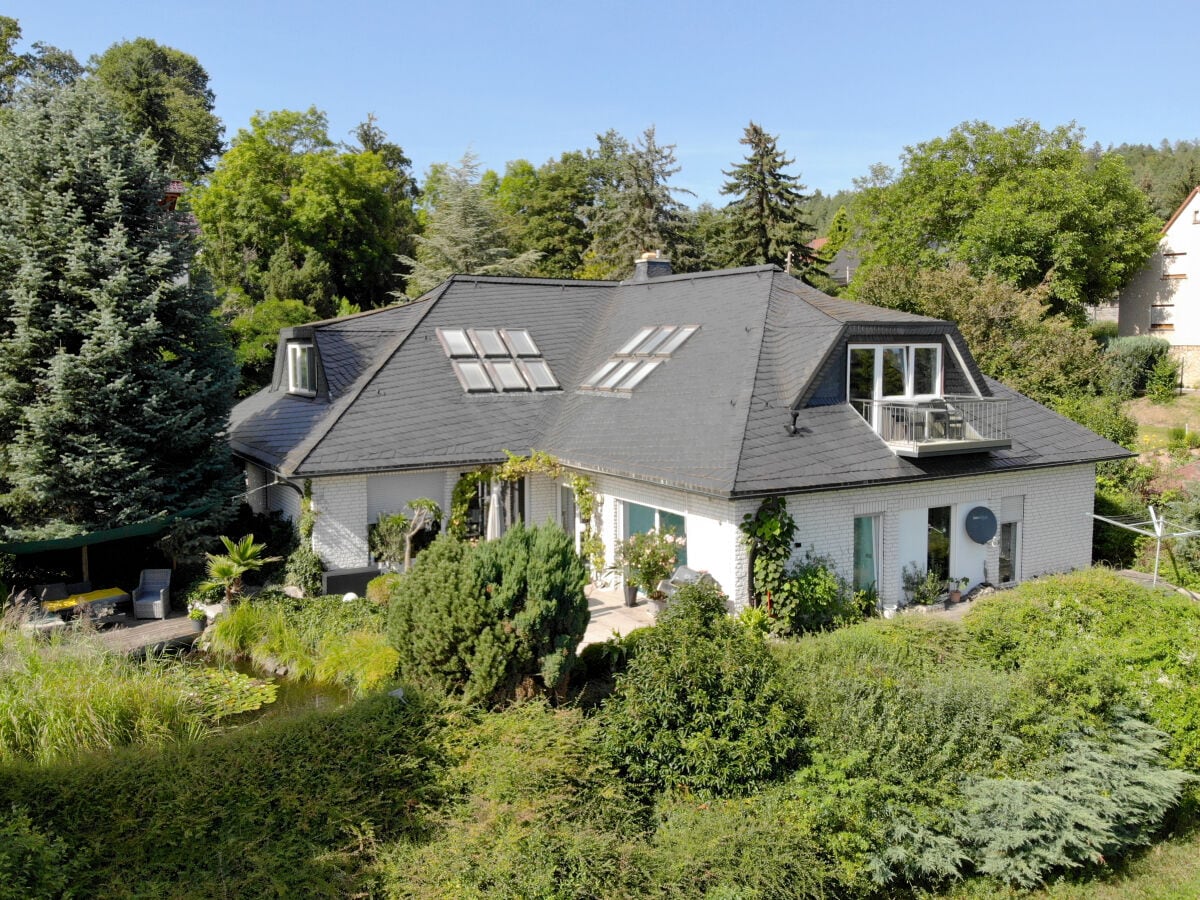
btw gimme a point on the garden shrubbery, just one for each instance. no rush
(325, 639)
(702, 706)
(286, 808)
(477, 620)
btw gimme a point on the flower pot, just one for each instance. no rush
(955, 596)
(631, 592)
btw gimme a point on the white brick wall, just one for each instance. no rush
(1056, 525)
(340, 532)
(257, 480)
(1053, 505)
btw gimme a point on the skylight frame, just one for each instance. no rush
(638, 358)
(495, 360)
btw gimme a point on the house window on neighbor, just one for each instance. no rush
(301, 379)
(641, 519)
(1173, 265)
(1162, 317)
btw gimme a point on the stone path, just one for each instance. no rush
(610, 614)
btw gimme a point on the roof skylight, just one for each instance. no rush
(638, 357)
(488, 360)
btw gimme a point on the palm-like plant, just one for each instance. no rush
(225, 570)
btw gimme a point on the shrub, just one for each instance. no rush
(304, 569)
(701, 706)
(280, 809)
(530, 813)
(31, 862)
(383, 587)
(1096, 799)
(1131, 361)
(813, 597)
(1092, 641)
(1162, 385)
(1104, 415)
(475, 621)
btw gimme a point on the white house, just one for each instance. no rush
(687, 399)
(1163, 299)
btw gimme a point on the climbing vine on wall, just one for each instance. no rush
(514, 468)
(768, 534)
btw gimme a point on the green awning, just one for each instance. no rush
(137, 529)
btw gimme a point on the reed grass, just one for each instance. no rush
(64, 695)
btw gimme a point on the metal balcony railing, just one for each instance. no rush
(938, 426)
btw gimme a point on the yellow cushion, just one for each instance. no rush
(114, 594)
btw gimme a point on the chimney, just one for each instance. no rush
(650, 265)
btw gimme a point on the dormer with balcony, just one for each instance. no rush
(899, 389)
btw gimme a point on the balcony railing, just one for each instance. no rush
(918, 428)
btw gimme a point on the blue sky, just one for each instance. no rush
(844, 85)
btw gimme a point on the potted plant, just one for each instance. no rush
(648, 558)
(924, 589)
(957, 586)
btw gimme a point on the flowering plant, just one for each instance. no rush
(649, 557)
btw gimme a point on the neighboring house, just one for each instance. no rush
(1163, 299)
(843, 265)
(688, 399)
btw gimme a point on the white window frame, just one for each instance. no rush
(910, 360)
(301, 369)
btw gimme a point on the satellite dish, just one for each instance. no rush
(981, 524)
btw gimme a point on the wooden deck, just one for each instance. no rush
(176, 631)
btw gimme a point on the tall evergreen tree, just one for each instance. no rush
(115, 382)
(464, 234)
(636, 208)
(767, 212)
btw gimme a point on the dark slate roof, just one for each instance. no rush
(711, 419)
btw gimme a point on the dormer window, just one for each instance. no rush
(301, 378)
(899, 371)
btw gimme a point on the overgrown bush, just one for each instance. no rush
(31, 862)
(1162, 385)
(1092, 641)
(382, 588)
(1104, 415)
(1131, 362)
(476, 621)
(701, 706)
(530, 812)
(288, 808)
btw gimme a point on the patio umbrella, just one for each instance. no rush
(494, 523)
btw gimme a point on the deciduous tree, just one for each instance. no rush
(1022, 203)
(164, 92)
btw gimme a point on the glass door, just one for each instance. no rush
(866, 553)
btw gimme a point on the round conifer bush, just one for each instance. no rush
(702, 706)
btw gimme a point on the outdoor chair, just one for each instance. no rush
(152, 597)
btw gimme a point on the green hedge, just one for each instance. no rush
(272, 810)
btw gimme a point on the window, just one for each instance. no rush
(648, 349)
(866, 552)
(1162, 315)
(1173, 264)
(491, 360)
(1009, 547)
(300, 369)
(876, 373)
(938, 555)
(640, 519)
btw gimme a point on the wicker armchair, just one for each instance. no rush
(152, 597)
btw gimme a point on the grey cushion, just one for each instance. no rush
(51, 592)
(79, 587)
